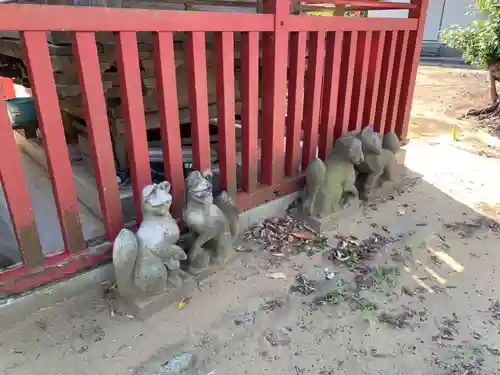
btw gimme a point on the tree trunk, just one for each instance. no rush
(494, 71)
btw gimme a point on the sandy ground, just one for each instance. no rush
(433, 313)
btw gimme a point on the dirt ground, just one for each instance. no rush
(425, 302)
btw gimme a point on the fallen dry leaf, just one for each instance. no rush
(277, 275)
(304, 235)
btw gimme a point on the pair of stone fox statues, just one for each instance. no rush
(331, 183)
(147, 261)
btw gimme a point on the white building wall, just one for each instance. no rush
(440, 15)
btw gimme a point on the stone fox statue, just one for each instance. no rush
(379, 157)
(328, 183)
(214, 222)
(144, 260)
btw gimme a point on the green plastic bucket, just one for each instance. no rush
(21, 110)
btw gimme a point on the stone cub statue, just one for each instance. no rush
(214, 222)
(329, 183)
(144, 261)
(379, 157)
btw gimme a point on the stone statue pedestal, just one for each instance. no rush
(142, 308)
(200, 274)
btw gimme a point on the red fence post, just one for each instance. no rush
(375, 68)
(168, 104)
(275, 58)
(50, 122)
(346, 82)
(127, 58)
(312, 96)
(196, 67)
(17, 196)
(395, 94)
(295, 101)
(385, 80)
(334, 42)
(224, 50)
(249, 93)
(89, 75)
(411, 68)
(360, 79)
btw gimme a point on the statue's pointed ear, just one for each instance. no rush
(207, 174)
(367, 129)
(148, 189)
(165, 185)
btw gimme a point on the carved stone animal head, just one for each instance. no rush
(156, 199)
(391, 142)
(370, 140)
(199, 186)
(350, 147)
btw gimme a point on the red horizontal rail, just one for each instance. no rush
(66, 18)
(57, 266)
(311, 23)
(379, 5)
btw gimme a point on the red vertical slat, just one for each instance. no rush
(16, 195)
(249, 108)
(312, 95)
(385, 86)
(89, 75)
(127, 59)
(412, 51)
(196, 65)
(399, 65)
(56, 150)
(330, 92)
(224, 50)
(375, 68)
(166, 90)
(347, 77)
(275, 58)
(295, 102)
(361, 77)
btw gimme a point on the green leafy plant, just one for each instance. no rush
(385, 277)
(480, 41)
(367, 309)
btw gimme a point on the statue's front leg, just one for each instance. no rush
(352, 195)
(224, 249)
(198, 257)
(371, 182)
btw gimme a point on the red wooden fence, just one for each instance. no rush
(359, 71)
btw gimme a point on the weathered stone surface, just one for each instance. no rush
(379, 158)
(213, 224)
(331, 183)
(145, 261)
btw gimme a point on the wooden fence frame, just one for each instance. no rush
(359, 71)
